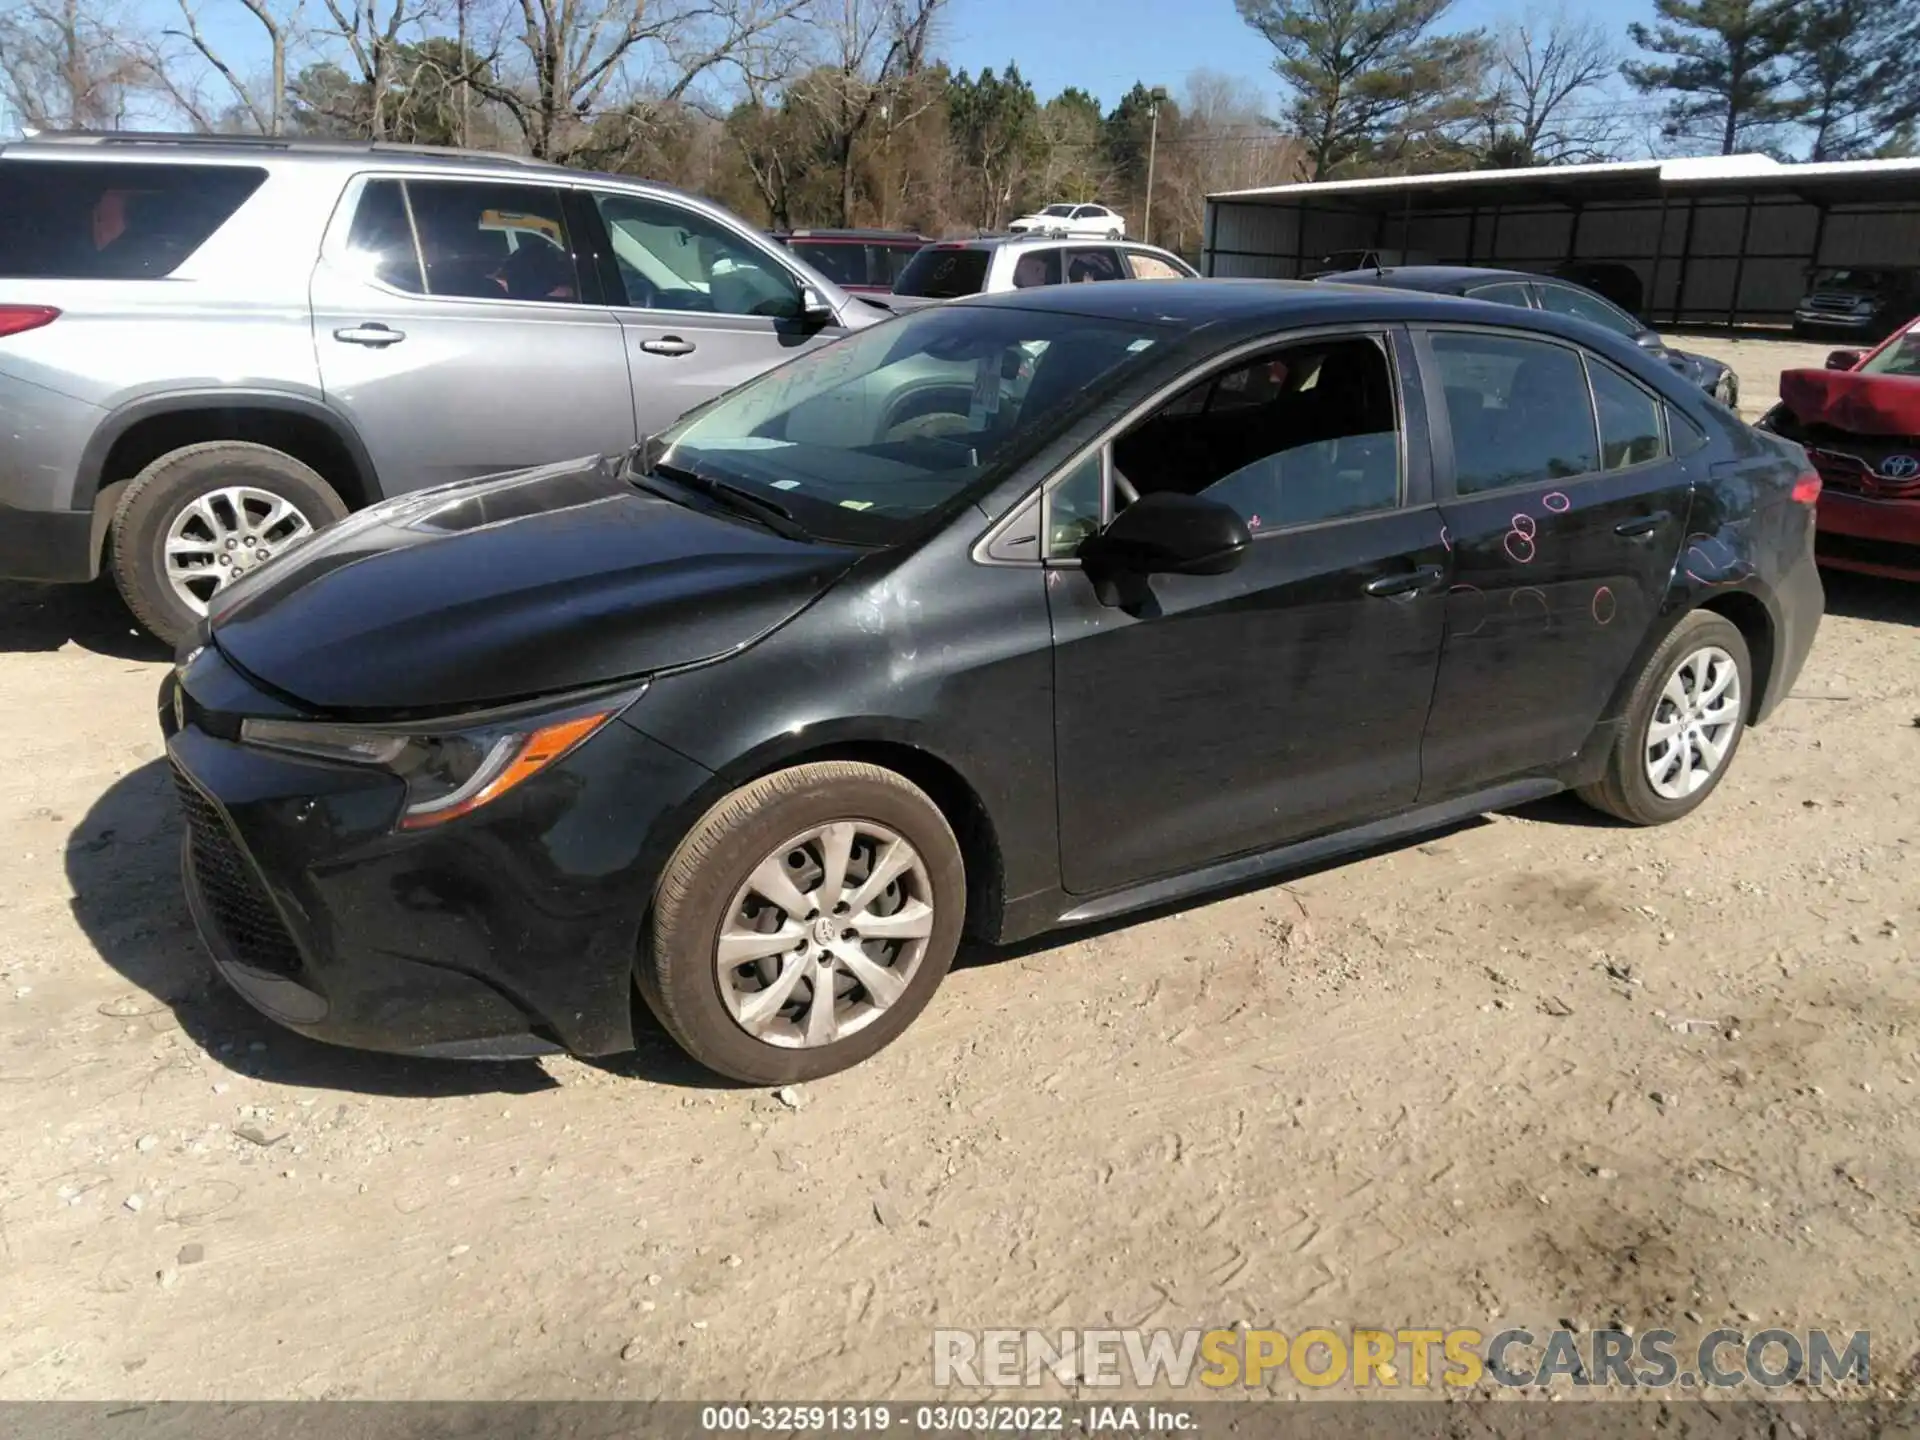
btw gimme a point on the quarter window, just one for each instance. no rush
(1519, 410)
(90, 221)
(1629, 419)
(674, 259)
(1152, 267)
(1074, 506)
(1305, 433)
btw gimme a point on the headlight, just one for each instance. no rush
(453, 767)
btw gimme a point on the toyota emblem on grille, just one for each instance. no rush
(1900, 467)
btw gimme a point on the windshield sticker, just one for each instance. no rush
(1137, 346)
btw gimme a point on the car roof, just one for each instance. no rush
(853, 234)
(1041, 242)
(1447, 279)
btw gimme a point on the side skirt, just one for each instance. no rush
(1229, 873)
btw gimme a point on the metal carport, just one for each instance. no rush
(1724, 240)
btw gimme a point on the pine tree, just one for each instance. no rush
(1729, 73)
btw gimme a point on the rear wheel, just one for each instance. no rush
(804, 922)
(1684, 723)
(199, 518)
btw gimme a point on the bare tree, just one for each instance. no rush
(1224, 141)
(1547, 106)
(262, 107)
(67, 65)
(372, 32)
(576, 55)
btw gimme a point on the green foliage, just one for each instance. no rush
(1728, 69)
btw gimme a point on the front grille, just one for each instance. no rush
(1832, 304)
(1854, 474)
(235, 899)
(1828, 546)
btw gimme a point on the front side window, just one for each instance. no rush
(1305, 433)
(1075, 507)
(1902, 357)
(1564, 300)
(670, 258)
(1153, 267)
(944, 272)
(380, 244)
(862, 438)
(83, 220)
(1087, 265)
(841, 263)
(1063, 211)
(483, 240)
(1629, 419)
(1519, 410)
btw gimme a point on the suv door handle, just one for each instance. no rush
(1641, 527)
(373, 333)
(668, 345)
(1406, 582)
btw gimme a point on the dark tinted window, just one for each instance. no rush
(1087, 265)
(1565, 300)
(1507, 293)
(86, 221)
(840, 262)
(1519, 410)
(1688, 438)
(1036, 267)
(939, 273)
(1629, 419)
(890, 261)
(493, 242)
(380, 245)
(1302, 434)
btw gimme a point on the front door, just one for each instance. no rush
(702, 308)
(1236, 712)
(1564, 526)
(453, 331)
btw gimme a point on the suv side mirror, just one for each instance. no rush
(1165, 533)
(814, 308)
(1843, 359)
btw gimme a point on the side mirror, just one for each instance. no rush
(1165, 533)
(814, 308)
(1843, 359)
(1650, 340)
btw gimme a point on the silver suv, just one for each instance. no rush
(209, 347)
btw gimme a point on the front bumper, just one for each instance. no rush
(1873, 537)
(1855, 324)
(497, 935)
(51, 546)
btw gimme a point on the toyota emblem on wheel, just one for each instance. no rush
(1900, 467)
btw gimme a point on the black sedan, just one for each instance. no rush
(1008, 615)
(1557, 297)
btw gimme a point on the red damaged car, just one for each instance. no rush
(1859, 422)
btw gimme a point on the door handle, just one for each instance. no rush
(373, 333)
(1407, 582)
(668, 345)
(1642, 526)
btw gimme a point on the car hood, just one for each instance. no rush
(499, 589)
(1847, 400)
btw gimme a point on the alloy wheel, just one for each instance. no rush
(1693, 724)
(826, 933)
(224, 534)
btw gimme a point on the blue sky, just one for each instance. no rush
(1105, 45)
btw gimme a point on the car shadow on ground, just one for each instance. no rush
(47, 617)
(1872, 597)
(123, 864)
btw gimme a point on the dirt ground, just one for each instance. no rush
(1538, 1068)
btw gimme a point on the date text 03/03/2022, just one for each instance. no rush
(963, 1419)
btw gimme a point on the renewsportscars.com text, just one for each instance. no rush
(1398, 1359)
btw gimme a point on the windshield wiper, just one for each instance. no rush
(775, 516)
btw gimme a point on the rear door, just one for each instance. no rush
(703, 306)
(454, 329)
(1564, 511)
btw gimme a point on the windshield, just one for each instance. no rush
(861, 439)
(1902, 357)
(1852, 280)
(943, 272)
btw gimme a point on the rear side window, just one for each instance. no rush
(941, 274)
(62, 220)
(1089, 265)
(1036, 267)
(1561, 300)
(1519, 410)
(1152, 267)
(1629, 419)
(1506, 293)
(488, 241)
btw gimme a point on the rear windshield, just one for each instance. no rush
(941, 274)
(85, 221)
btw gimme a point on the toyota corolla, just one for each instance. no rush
(1006, 616)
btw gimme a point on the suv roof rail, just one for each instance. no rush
(275, 142)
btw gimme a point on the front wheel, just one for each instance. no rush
(1684, 723)
(804, 922)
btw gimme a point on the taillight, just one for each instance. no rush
(1806, 490)
(14, 319)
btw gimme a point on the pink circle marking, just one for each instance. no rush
(1516, 539)
(1446, 537)
(1604, 606)
(1524, 524)
(1560, 508)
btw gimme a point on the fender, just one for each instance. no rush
(93, 460)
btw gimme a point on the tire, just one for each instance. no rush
(766, 823)
(161, 494)
(1627, 790)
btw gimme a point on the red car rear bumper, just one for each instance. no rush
(1875, 537)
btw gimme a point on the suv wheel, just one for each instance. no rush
(1684, 723)
(199, 518)
(804, 922)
